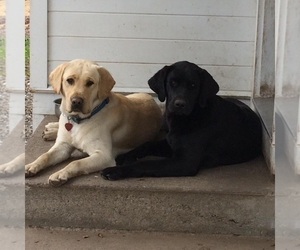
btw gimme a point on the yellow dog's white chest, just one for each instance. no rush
(87, 136)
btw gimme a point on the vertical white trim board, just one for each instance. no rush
(15, 45)
(286, 135)
(38, 43)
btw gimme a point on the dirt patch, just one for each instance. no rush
(3, 14)
(3, 8)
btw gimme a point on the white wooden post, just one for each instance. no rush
(15, 45)
(38, 44)
(15, 84)
(287, 80)
(287, 108)
(264, 77)
(15, 58)
(43, 96)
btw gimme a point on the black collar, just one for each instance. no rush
(77, 119)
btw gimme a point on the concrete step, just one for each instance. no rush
(237, 199)
(12, 195)
(60, 238)
(13, 144)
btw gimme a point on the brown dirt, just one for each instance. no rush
(3, 8)
(3, 13)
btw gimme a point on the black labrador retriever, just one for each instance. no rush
(203, 129)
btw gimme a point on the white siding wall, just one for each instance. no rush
(134, 39)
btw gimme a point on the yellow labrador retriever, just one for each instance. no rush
(98, 122)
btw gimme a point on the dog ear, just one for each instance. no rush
(56, 76)
(209, 87)
(106, 83)
(157, 82)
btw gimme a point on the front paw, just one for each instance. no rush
(49, 134)
(50, 131)
(57, 179)
(113, 173)
(31, 170)
(5, 170)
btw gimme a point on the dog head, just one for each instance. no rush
(184, 85)
(83, 85)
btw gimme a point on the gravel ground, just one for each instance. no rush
(28, 93)
(28, 111)
(4, 108)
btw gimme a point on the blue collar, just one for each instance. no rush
(77, 119)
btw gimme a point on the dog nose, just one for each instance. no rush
(179, 104)
(77, 102)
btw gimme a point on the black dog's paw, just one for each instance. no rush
(113, 173)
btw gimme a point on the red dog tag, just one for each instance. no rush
(68, 126)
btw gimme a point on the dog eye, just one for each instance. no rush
(89, 83)
(70, 81)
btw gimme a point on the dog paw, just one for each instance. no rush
(49, 135)
(8, 171)
(50, 131)
(14, 166)
(30, 170)
(57, 179)
(113, 173)
(5, 170)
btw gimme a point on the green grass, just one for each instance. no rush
(27, 50)
(2, 57)
(2, 49)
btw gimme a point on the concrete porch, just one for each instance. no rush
(234, 200)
